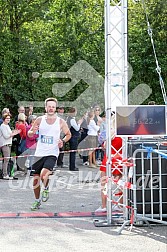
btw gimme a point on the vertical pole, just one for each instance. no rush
(108, 107)
(115, 52)
(125, 46)
(125, 96)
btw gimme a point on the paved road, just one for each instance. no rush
(76, 234)
(70, 191)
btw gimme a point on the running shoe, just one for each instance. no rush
(86, 163)
(7, 177)
(101, 210)
(98, 162)
(116, 208)
(92, 166)
(35, 205)
(45, 195)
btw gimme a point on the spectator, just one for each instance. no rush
(83, 142)
(102, 133)
(98, 120)
(92, 138)
(21, 109)
(97, 117)
(21, 147)
(60, 113)
(31, 142)
(4, 111)
(28, 112)
(74, 129)
(6, 142)
(31, 109)
(103, 123)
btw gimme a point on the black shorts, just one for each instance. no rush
(47, 162)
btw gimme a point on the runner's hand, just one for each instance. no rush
(60, 143)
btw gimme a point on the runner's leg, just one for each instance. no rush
(36, 185)
(45, 173)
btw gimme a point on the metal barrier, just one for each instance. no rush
(150, 180)
(148, 195)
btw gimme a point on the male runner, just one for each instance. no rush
(47, 150)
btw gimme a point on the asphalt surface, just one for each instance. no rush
(75, 193)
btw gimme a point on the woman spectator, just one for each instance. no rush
(31, 142)
(92, 138)
(102, 133)
(98, 120)
(21, 125)
(28, 112)
(4, 111)
(6, 142)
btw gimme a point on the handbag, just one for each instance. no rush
(16, 140)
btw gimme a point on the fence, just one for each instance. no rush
(148, 196)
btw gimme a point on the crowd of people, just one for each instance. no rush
(16, 139)
(84, 133)
(39, 142)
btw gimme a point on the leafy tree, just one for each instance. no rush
(48, 36)
(141, 55)
(16, 53)
(39, 36)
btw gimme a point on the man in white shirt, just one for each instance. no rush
(47, 150)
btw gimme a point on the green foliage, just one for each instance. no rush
(39, 36)
(141, 55)
(46, 36)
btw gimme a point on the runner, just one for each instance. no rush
(47, 150)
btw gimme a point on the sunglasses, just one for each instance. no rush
(97, 109)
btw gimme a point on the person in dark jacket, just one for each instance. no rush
(83, 140)
(73, 142)
(60, 163)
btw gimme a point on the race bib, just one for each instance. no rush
(47, 139)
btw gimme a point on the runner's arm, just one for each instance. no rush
(66, 131)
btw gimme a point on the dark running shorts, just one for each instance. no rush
(43, 162)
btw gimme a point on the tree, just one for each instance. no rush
(141, 55)
(39, 36)
(16, 52)
(47, 36)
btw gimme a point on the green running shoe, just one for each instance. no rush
(45, 195)
(35, 206)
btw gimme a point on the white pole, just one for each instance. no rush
(125, 46)
(125, 96)
(108, 107)
(120, 7)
